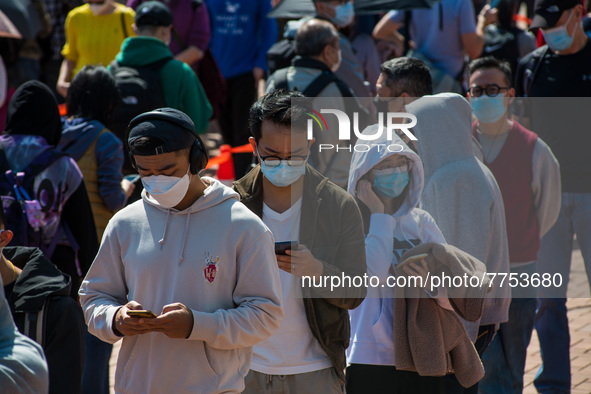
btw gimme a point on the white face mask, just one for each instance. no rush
(99, 8)
(335, 67)
(168, 191)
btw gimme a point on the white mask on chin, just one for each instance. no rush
(169, 191)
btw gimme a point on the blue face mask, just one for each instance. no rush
(558, 38)
(391, 181)
(488, 109)
(344, 14)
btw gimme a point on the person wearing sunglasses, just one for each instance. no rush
(529, 178)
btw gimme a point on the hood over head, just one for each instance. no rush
(363, 162)
(443, 130)
(33, 111)
(78, 134)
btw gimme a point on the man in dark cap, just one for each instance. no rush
(181, 87)
(194, 255)
(560, 69)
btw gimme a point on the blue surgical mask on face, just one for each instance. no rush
(557, 38)
(283, 175)
(344, 14)
(391, 181)
(488, 109)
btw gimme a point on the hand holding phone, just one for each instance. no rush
(410, 260)
(141, 313)
(281, 247)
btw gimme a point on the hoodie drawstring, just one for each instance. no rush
(185, 238)
(161, 242)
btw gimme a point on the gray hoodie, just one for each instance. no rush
(217, 258)
(461, 193)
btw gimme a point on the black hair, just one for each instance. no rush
(93, 94)
(491, 62)
(407, 74)
(313, 36)
(277, 107)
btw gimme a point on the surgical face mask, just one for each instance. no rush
(169, 191)
(488, 109)
(344, 14)
(557, 38)
(283, 175)
(336, 66)
(391, 182)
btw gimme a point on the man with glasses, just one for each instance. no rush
(323, 226)
(529, 178)
(560, 69)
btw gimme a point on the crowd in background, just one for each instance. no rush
(498, 178)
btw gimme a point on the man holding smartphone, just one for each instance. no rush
(323, 225)
(193, 254)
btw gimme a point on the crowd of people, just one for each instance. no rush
(111, 231)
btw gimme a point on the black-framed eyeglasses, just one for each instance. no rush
(490, 90)
(292, 161)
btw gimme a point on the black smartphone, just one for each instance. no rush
(281, 247)
(141, 313)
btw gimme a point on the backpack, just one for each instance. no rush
(531, 69)
(140, 90)
(280, 55)
(503, 45)
(24, 214)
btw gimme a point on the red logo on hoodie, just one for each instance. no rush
(210, 270)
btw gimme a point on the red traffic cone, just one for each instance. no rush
(226, 167)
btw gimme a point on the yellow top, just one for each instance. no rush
(96, 39)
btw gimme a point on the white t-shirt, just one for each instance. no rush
(292, 349)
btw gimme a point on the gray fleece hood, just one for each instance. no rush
(213, 195)
(362, 162)
(445, 120)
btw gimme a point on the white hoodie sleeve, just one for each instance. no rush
(258, 311)
(104, 291)
(378, 246)
(545, 186)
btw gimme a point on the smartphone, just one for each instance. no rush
(132, 178)
(411, 259)
(494, 3)
(141, 313)
(281, 247)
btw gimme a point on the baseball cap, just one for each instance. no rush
(548, 12)
(170, 130)
(153, 13)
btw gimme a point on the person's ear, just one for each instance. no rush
(326, 53)
(253, 143)
(511, 95)
(5, 238)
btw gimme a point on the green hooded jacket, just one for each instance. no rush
(182, 89)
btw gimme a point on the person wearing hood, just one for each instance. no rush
(302, 207)
(463, 197)
(528, 175)
(387, 183)
(193, 254)
(182, 89)
(34, 127)
(99, 155)
(39, 297)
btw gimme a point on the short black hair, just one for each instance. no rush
(277, 107)
(313, 36)
(407, 74)
(93, 94)
(491, 62)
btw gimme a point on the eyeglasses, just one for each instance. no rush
(292, 161)
(490, 90)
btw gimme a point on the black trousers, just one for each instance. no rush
(363, 379)
(234, 118)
